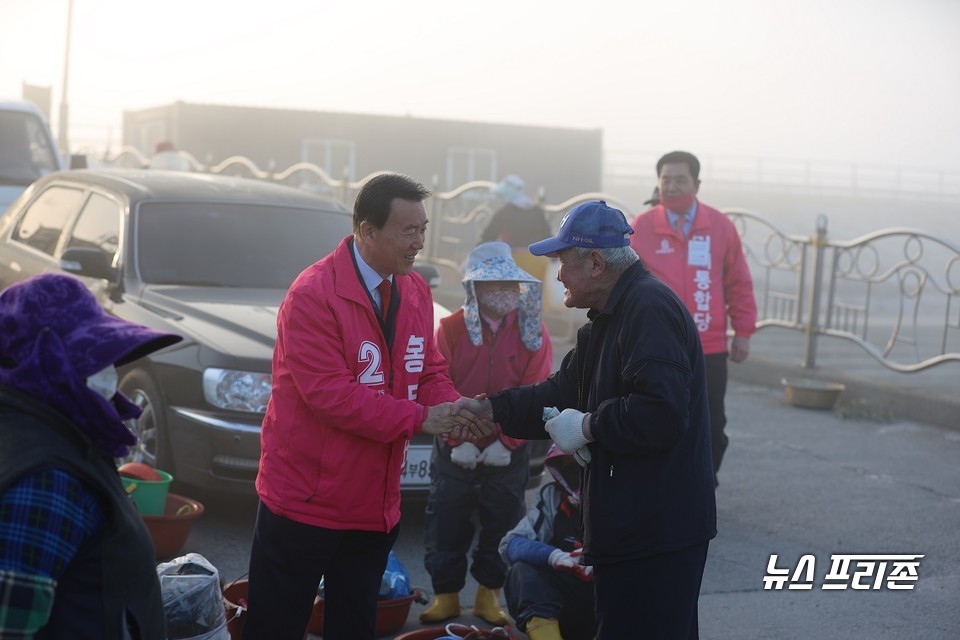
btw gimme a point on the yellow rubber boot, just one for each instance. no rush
(543, 629)
(488, 608)
(443, 607)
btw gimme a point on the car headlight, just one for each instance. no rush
(237, 390)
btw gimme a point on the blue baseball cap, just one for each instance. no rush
(590, 224)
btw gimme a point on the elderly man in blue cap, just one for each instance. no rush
(629, 401)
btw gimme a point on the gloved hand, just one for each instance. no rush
(496, 455)
(561, 560)
(582, 456)
(465, 455)
(567, 430)
(584, 572)
(570, 563)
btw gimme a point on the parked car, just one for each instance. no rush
(208, 257)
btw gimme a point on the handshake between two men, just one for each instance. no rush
(458, 423)
(469, 419)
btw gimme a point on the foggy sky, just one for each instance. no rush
(865, 81)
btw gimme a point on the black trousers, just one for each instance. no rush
(288, 559)
(716, 369)
(652, 598)
(543, 592)
(495, 494)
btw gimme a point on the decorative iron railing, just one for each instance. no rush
(894, 292)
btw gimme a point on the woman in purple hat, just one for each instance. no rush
(75, 557)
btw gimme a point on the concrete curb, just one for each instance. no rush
(864, 397)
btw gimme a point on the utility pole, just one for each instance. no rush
(64, 109)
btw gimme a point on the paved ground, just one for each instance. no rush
(799, 481)
(868, 478)
(930, 397)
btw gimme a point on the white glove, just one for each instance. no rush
(562, 561)
(583, 572)
(496, 455)
(582, 456)
(570, 563)
(465, 455)
(567, 430)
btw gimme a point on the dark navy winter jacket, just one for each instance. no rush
(110, 588)
(638, 369)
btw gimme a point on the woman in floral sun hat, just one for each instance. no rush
(496, 340)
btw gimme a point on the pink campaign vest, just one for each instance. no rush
(707, 270)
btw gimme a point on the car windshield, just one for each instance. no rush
(232, 244)
(26, 151)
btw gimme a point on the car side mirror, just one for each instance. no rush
(84, 261)
(429, 273)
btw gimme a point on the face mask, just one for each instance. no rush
(500, 302)
(104, 382)
(677, 204)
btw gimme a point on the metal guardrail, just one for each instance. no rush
(631, 165)
(894, 292)
(786, 175)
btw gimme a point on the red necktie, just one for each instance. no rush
(384, 289)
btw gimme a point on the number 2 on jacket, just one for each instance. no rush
(372, 374)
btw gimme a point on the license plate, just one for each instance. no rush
(416, 472)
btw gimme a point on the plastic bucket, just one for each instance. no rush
(150, 496)
(455, 630)
(391, 614)
(170, 531)
(235, 603)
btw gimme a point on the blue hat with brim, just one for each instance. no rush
(591, 224)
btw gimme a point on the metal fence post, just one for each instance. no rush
(811, 328)
(344, 187)
(436, 222)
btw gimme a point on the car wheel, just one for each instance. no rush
(151, 429)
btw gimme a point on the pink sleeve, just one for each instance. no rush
(738, 287)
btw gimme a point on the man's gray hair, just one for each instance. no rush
(618, 259)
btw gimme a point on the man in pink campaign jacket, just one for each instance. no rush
(355, 375)
(496, 340)
(696, 250)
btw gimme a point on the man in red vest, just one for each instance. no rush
(696, 250)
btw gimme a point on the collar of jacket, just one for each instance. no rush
(634, 271)
(661, 219)
(19, 401)
(347, 281)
